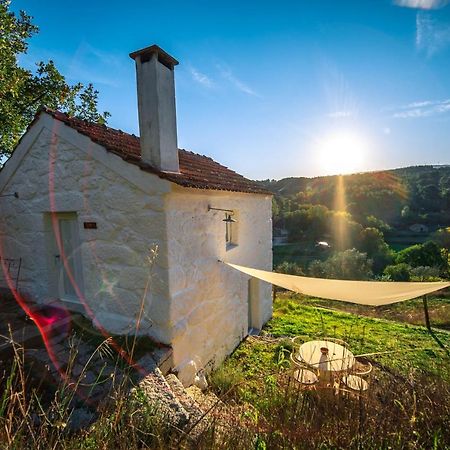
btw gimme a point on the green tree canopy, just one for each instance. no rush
(442, 237)
(427, 254)
(289, 268)
(309, 221)
(348, 265)
(373, 222)
(23, 92)
(371, 241)
(398, 272)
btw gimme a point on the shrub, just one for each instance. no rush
(398, 272)
(289, 268)
(372, 221)
(442, 237)
(347, 265)
(427, 254)
(425, 273)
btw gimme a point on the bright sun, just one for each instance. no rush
(341, 152)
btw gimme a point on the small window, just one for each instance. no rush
(230, 230)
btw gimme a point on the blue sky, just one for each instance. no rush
(271, 89)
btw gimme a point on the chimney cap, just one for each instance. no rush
(163, 57)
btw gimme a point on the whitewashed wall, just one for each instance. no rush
(209, 299)
(194, 302)
(128, 209)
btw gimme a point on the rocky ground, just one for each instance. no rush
(91, 368)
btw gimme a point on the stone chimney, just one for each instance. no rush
(156, 107)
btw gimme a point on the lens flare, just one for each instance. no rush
(54, 319)
(341, 153)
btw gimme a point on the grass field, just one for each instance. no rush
(411, 311)
(401, 239)
(413, 346)
(303, 253)
(407, 405)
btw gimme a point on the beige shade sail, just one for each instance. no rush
(372, 293)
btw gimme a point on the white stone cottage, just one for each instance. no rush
(93, 200)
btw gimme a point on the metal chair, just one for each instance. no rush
(303, 374)
(355, 383)
(362, 367)
(306, 377)
(354, 386)
(297, 341)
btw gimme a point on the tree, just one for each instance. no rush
(308, 222)
(425, 273)
(23, 92)
(442, 237)
(431, 196)
(371, 241)
(373, 222)
(344, 229)
(318, 269)
(348, 265)
(427, 254)
(289, 268)
(398, 272)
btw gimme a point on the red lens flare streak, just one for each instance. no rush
(50, 323)
(67, 268)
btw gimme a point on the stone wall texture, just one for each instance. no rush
(190, 299)
(209, 300)
(54, 177)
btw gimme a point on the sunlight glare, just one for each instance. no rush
(341, 153)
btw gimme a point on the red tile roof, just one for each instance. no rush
(196, 171)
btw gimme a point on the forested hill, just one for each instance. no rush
(411, 194)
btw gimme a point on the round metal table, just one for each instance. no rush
(326, 356)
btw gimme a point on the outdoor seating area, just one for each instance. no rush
(328, 363)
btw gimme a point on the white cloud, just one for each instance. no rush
(201, 78)
(422, 109)
(236, 82)
(422, 4)
(431, 36)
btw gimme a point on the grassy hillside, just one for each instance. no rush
(425, 190)
(377, 213)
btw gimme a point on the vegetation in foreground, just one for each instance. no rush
(407, 406)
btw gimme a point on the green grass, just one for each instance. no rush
(406, 406)
(414, 349)
(401, 239)
(410, 311)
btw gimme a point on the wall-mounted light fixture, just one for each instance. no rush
(15, 194)
(228, 217)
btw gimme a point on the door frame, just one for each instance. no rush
(253, 306)
(55, 289)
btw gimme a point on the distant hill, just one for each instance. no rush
(408, 195)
